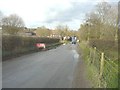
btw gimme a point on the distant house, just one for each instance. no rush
(54, 33)
(27, 32)
(30, 33)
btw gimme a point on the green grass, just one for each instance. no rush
(91, 70)
(110, 74)
(109, 78)
(53, 45)
(92, 75)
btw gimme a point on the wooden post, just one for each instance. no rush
(89, 59)
(101, 68)
(94, 54)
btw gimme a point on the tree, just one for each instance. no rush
(1, 16)
(108, 15)
(63, 30)
(12, 24)
(60, 30)
(101, 23)
(43, 31)
(83, 32)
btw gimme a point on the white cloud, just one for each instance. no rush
(32, 10)
(36, 12)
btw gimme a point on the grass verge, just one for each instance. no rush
(109, 77)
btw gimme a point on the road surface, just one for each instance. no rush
(48, 69)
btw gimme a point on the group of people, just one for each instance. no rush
(72, 39)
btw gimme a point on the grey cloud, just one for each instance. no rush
(75, 12)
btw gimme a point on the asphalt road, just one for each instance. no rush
(48, 69)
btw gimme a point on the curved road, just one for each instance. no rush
(47, 69)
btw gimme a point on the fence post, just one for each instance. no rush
(94, 54)
(101, 68)
(89, 59)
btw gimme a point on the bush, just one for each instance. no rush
(103, 44)
(109, 47)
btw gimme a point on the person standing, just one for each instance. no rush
(74, 38)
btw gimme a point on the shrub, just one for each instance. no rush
(12, 45)
(103, 44)
(109, 47)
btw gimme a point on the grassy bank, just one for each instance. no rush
(105, 77)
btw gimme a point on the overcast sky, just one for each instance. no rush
(50, 13)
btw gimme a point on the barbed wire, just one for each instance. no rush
(111, 66)
(106, 58)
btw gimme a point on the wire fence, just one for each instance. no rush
(106, 69)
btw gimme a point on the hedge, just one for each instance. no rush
(109, 47)
(104, 44)
(12, 45)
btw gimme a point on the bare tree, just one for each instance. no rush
(60, 30)
(101, 23)
(1, 16)
(108, 15)
(43, 31)
(12, 24)
(63, 30)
